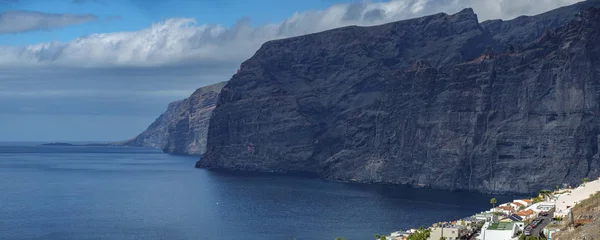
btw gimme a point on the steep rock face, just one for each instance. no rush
(282, 102)
(410, 103)
(182, 129)
(155, 135)
(188, 130)
(525, 29)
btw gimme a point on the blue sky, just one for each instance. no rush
(131, 15)
(103, 70)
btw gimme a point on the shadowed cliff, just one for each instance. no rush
(440, 101)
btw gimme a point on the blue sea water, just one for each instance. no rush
(63, 193)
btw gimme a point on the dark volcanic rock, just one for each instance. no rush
(182, 129)
(525, 29)
(418, 102)
(289, 98)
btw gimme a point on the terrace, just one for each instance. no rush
(501, 226)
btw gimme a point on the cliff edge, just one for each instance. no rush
(182, 128)
(427, 102)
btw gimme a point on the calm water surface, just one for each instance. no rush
(84, 193)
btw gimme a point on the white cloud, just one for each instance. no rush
(104, 83)
(26, 21)
(95, 93)
(183, 40)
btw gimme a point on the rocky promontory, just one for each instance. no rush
(440, 101)
(183, 127)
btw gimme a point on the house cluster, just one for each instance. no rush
(446, 230)
(509, 220)
(512, 219)
(401, 234)
(503, 222)
(454, 230)
(524, 209)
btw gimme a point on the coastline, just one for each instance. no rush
(319, 175)
(518, 214)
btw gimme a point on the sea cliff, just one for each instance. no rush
(183, 127)
(441, 101)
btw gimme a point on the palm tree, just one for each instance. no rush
(340, 238)
(493, 201)
(377, 236)
(546, 194)
(585, 180)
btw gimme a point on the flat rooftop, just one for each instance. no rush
(501, 226)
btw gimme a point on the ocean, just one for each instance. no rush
(78, 192)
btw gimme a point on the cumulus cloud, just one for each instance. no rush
(117, 83)
(184, 40)
(26, 21)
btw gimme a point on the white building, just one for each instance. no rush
(485, 216)
(517, 205)
(505, 209)
(397, 236)
(449, 233)
(525, 202)
(545, 206)
(499, 231)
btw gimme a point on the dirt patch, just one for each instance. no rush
(587, 219)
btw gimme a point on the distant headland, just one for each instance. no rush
(63, 144)
(57, 144)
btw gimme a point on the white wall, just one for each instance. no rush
(497, 235)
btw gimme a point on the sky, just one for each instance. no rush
(103, 70)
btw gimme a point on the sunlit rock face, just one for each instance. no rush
(182, 128)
